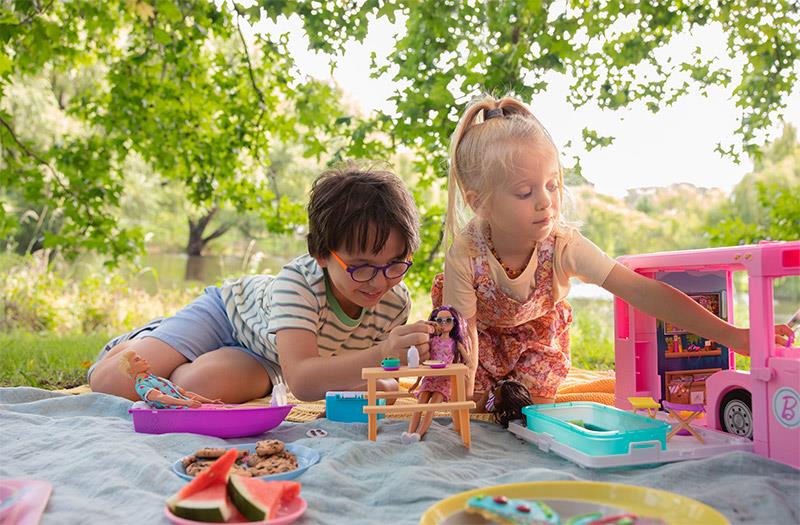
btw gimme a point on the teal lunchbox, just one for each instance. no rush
(595, 429)
(347, 407)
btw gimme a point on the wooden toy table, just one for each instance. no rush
(458, 405)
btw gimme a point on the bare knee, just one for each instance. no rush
(226, 374)
(108, 378)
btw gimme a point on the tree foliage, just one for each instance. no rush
(183, 86)
(612, 52)
(765, 204)
(180, 85)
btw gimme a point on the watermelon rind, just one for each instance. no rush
(244, 501)
(210, 505)
(218, 472)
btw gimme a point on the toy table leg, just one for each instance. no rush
(372, 400)
(455, 414)
(463, 414)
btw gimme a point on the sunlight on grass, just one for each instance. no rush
(47, 360)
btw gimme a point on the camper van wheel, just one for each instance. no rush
(736, 414)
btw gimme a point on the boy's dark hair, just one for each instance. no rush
(357, 208)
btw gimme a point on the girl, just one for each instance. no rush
(448, 346)
(507, 270)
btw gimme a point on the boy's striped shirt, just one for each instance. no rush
(299, 296)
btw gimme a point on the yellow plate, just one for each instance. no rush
(642, 501)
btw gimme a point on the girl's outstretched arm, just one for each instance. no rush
(664, 302)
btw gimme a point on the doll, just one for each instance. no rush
(449, 344)
(157, 391)
(506, 401)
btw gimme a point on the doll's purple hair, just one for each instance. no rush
(459, 330)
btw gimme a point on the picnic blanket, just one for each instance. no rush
(104, 472)
(579, 385)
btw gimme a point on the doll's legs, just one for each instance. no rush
(109, 379)
(228, 374)
(437, 397)
(412, 426)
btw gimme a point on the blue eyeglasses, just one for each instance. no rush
(366, 272)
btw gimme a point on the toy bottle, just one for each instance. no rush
(413, 357)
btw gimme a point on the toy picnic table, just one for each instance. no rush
(458, 406)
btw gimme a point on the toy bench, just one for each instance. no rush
(459, 407)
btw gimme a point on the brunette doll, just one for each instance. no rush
(448, 345)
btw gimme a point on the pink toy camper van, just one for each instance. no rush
(659, 360)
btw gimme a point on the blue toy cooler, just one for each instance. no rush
(347, 407)
(595, 429)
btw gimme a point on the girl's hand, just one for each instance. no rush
(192, 403)
(401, 338)
(783, 334)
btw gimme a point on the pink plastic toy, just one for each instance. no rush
(224, 421)
(764, 403)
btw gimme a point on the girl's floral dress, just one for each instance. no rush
(524, 341)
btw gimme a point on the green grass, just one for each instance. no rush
(47, 360)
(592, 334)
(52, 361)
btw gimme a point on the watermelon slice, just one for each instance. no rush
(210, 504)
(205, 497)
(216, 473)
(258, 499)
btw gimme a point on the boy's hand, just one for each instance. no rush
(401, 338)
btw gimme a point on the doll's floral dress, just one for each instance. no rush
(443, 350)
(524, 341)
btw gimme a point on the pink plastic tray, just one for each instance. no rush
(22, 501)
(223, 421)
(286, 515)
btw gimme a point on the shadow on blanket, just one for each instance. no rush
(579, 385)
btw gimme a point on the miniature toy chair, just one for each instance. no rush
(647, 404)
(683, 426)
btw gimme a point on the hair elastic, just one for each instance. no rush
(492, 113)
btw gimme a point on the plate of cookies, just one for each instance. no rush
(269, 459)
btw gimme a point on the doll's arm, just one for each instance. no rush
(198, 397)
(155, 395)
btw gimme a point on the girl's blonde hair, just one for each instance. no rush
(482, 149)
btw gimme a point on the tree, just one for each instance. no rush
(611, 51)
(764, 205)
(181, 86)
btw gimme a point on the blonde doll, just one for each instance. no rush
(507, 269)
(157, 391)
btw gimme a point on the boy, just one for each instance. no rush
(315, 325)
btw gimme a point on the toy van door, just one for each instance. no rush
(784, 416)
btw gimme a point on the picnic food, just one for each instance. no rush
(218, 494)
(201, 499)
(257, 499)
(271, 457)
(269, 447)
(211, 504)
(515, 512)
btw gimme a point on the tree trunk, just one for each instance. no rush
(197, 242)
